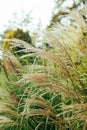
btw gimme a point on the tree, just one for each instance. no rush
(20, 20)
(19, 34)
(17, 49)
(62, 9)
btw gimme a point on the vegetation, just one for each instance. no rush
(19, 34)
(52, 94)
(18, 51)
(60, 12)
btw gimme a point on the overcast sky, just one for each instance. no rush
(41, 9)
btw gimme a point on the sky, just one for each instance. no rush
(41, 10)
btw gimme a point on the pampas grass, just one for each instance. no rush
(50, 95)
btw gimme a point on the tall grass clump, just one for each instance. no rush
(51, 95)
